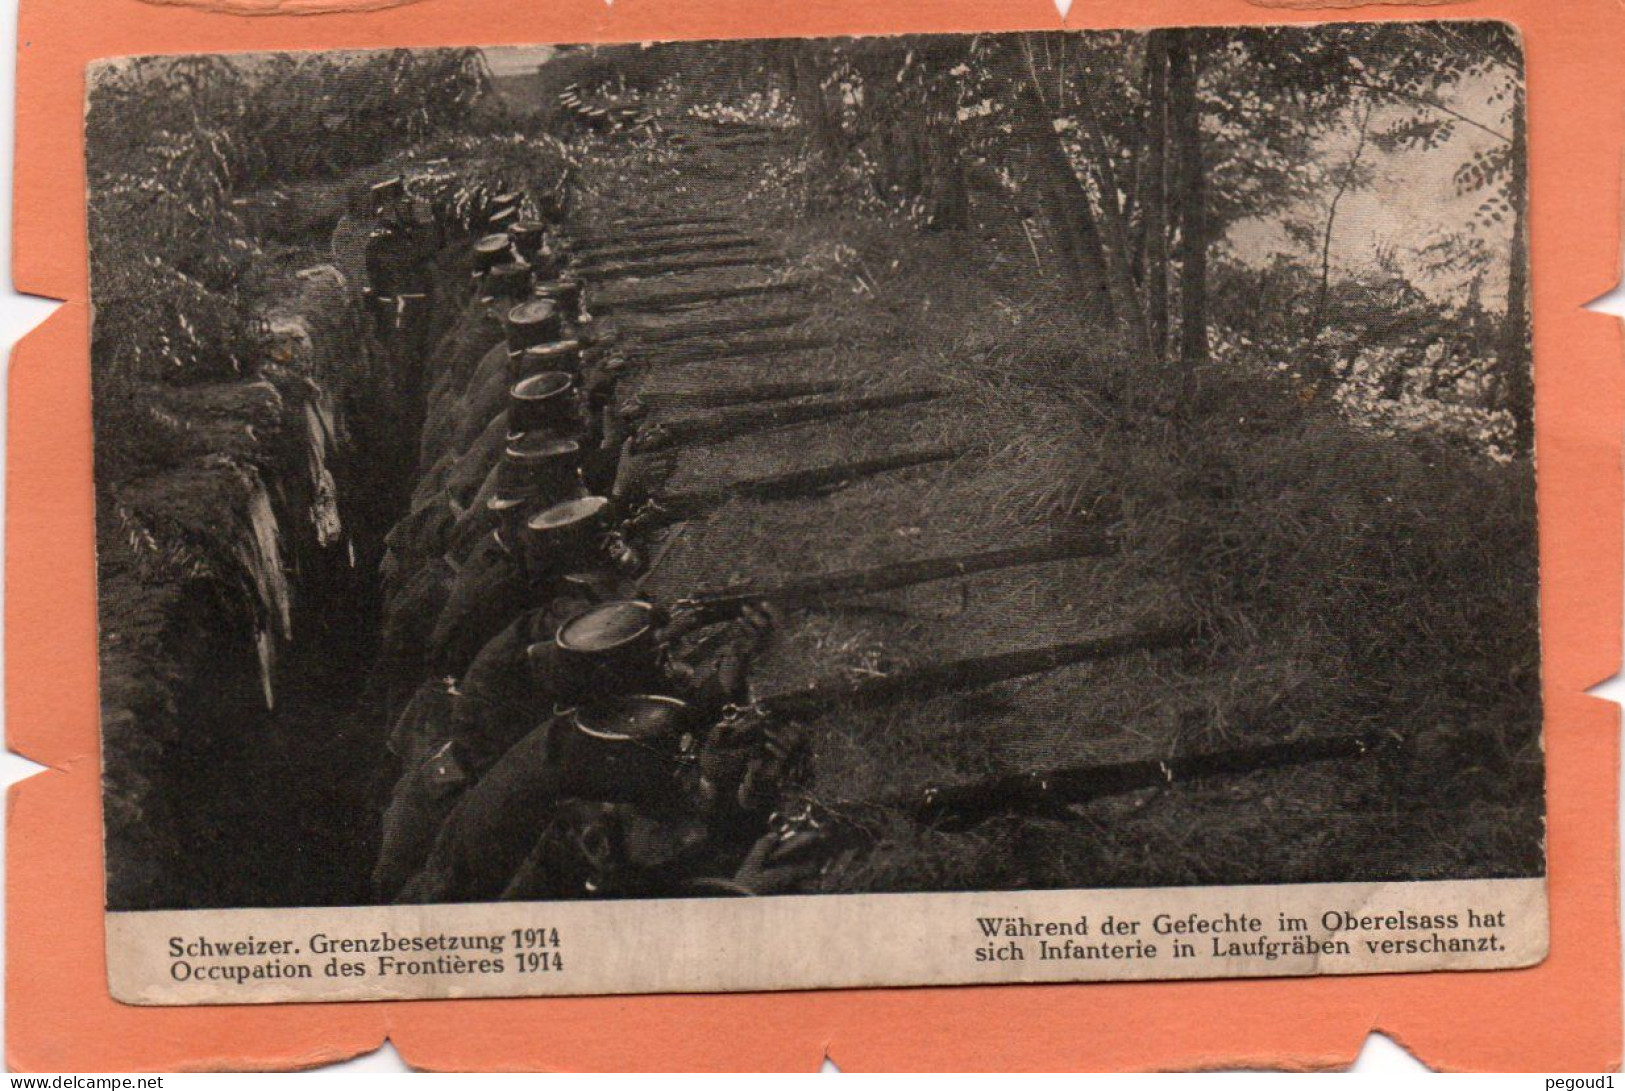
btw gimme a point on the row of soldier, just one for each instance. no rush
(552, 733)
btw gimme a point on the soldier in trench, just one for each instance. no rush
(544, 408)
(573, 555)
(440, 538)
(539, 408)
(666, 803)
(609, 662)
(466, 586)
(529, 480)
(496, 588)
(399, 259)
(495, 577)
(517, 387)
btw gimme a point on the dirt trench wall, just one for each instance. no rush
(223, 578)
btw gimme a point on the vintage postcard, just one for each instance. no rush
(781, 514)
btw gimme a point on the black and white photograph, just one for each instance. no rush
(701, 474)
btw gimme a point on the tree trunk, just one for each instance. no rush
(1065, 203)
(1516, 360)
(1072, 223)
(823, 127)
(1154, 197)
(1125, 295)
(1186, 128)
(921, 157)
(949, 200)
(1345, 180)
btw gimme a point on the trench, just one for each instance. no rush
(271, 793)
(279, 806)
(276, 811)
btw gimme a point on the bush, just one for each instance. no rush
(1352, 579)
(179, 150)
(460, 173)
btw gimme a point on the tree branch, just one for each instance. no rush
(1343, 186)
(1423, 100)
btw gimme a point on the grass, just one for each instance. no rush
(1342, 579)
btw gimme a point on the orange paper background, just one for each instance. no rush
(1563, 1014)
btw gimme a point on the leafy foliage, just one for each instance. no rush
(175, 143)
(178, 150)
(924, 127)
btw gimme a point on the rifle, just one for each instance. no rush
(729, 424)
(729, 141)
(687, 297)
(652, 234)
(719, 397)
(714, 351)
(808, 833)
(658, 267)
(683, 506)
(716, 327)
(721, 605)
(644, 249)
(690, 219)
(959, 806)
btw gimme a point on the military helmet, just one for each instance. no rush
(592, 585)
(540, 446)
(534, 476)
(544, 402)
(508, 506)
(539, 467)
(386, 193)
(528, 236)
(510, 280)
(571, 513)
(566, 290)
(552, 356)
(613, 646)
(565, 537)
(607, 628)
(549, 259)
(532, 322)
(491, 251)
(627, 749)
(640, 717)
